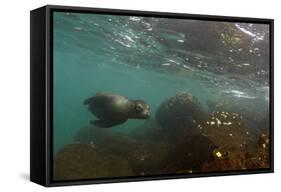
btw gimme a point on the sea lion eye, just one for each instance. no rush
(139, 107)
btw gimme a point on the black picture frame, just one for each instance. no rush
(41, 103)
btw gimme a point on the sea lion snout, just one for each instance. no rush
(142, 109)
(146, 113)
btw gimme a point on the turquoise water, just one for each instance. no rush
(150, 59)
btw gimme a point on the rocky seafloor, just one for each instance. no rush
(183, 138)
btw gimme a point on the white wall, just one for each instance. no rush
(14, 94)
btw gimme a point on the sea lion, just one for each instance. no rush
(112, 109)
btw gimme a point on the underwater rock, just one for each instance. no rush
(144, 156)
(118, 144)
(220, 142)
(261, 157)
(91, 135)
(189, 155)
(232, 139)
(149, 131)
(254, 111)
(240, 160)
(118, 166)
(224, 162)
(228, 130)
(179, 112)
(150, 158)
(77, 161)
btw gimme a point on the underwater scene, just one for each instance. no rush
(150, 96)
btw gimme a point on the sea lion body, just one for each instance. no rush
(112, 109)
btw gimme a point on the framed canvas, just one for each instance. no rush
(119, 95)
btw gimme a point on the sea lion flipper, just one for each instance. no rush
(107, 123)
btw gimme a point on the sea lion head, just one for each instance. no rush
(141, 110)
